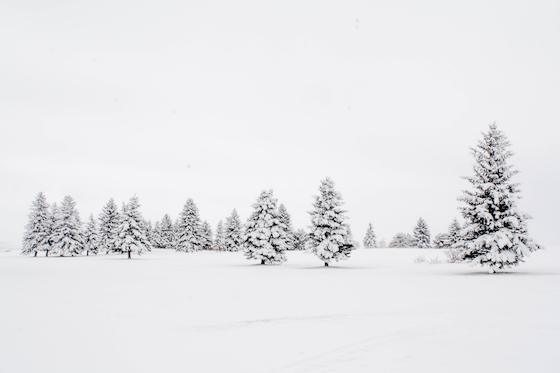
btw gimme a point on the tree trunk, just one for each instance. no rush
(47, 254)
(326, 264)
(87, 253)
(262, 261)
(35, 253)
(129, 257)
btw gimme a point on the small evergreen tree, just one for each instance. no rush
(496, 231)
(36, 236)
(300, 239)
(370, 240)
(156, 238)
(206, 234)
(233, 232)
(286, 221)
(167, 232)
(421, 235)
(382, 244)
(132, 236)
(90, 236)
(453, 233)
(188, 229)
(109, 225)
(53, 217)
(265, 234)
(220, 237)
(440, 241)
(67, 236)
(401, 240)
(329, 238)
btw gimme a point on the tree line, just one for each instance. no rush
(494, 232)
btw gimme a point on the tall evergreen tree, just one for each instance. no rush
(329, 238)
(496, 231)
(220, 237)
(53, 217)
(421, 234)
(36, 236)
(132, 236)
(265, 234)
(286, 220)
(370, 240)
(156, 236)
(67, 236)
(233, 232)
(188, 229)
(206, 234)
(91, 234)
(109, 225)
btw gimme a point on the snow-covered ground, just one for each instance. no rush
(218, 312)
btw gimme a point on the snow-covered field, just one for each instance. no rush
(218, 312)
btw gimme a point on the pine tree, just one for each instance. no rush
(422, 238)
(156, 236)
(496, 231)
(300, 239)
(233, 232)
(370, 240)
(91, 234)
(265, 234)
(206, 234)
(220, 237)
(329, 239)
(188, 229)
(37, 231)
(53, 216)
(132, 236)
(440, 241)
(286, 220)
(167, 232)
(67, 236)
(453, 233)
(109, 224)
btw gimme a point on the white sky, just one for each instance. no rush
(217, 100)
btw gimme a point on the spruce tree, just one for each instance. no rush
(37, 232)
(188, 229)
(329, 239)
(370, 240)
(300, 239)
(265, 234)
(91, 234)
(156, 236)
(440, 241)
(53, 216)
(401, 240)
(495, 234)
(453, 233)
(109, 224)
(132, 236)
(421, 234)
(206, 234)
(220, 237)
(286, 221)
(233, 232)
(67, 236)
(167, 232)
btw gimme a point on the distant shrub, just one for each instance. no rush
(419, 259)
(453, 255)
(434, 260)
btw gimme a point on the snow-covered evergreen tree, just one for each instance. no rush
(132, 236)
(421, 234)
(53, 217)
(188, 229)
(329, 238)
(370, 240)
(233, 232)
(440, 241)
(67, 238)
(496, 231)
(156, 239)
(167, 232)
(286, 221)
(109, 225)
(453, 233)
(382, 244)
(206, 234)
(265, 233)
(37, 232)
(300, 239)
(220, 237)
(91, 234)
(401, 240)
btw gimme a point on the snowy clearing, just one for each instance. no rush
(218, 312)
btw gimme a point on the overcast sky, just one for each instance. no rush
(218, 100)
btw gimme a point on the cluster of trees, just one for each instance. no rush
(59, 230)
(494, 232)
